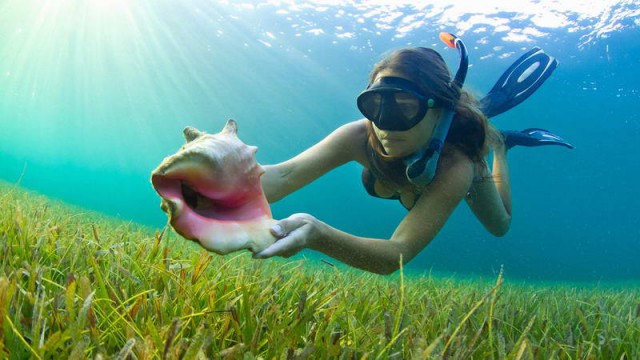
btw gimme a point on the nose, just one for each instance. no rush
(388, 112)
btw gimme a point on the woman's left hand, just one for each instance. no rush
(294, 233)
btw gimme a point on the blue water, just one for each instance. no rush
(93, 94)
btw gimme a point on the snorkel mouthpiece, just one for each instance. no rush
(421, 167)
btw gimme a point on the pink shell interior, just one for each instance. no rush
(211, 189)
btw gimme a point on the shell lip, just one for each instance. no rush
(210, 203)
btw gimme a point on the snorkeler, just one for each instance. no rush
(424, 141)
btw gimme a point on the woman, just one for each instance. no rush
(413, 79)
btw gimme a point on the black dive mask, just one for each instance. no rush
(394, 103)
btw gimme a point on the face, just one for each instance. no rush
(404, 143)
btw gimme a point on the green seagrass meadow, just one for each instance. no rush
(77, 284)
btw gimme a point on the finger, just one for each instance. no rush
(285, 226)
(277, 248)
(284, 247)
(277, 231)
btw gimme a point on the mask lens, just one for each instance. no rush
(370, 105)
(408, 104)
(392, 109)
(393, 103)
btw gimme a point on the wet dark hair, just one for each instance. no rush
(428, 70)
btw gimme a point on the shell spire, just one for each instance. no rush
(191, 133)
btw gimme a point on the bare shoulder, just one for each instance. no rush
(351, 138)
(455, 169)
(353, 131)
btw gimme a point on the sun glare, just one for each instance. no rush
(110, 5)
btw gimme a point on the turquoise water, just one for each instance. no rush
(93, 94)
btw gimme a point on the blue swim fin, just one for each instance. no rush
(532, 137)
(520, 80)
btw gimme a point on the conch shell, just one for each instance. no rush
(212, 194)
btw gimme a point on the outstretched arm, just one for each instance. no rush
(382, 256)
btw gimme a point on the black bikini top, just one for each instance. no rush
(369, 182)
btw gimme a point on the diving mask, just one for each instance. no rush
(394, 103)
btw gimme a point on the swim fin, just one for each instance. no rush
(520, 80)
(532, 137)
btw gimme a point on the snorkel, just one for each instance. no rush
(421, 166)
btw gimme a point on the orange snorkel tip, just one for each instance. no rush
(448, 39)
